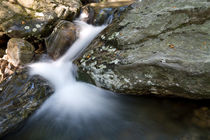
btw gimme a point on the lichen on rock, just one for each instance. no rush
(158, 47)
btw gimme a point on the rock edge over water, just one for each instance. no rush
(21, 95)
(158, 47)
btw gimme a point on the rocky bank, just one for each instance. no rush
(24, 26)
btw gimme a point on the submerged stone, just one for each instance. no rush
(201, 117)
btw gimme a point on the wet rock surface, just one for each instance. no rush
(158, 47)
(34, 19)
(103, 12)
(63, 36)
(20, 96)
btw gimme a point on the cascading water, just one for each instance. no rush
(80, 111)
(71, 97)
(79, 103)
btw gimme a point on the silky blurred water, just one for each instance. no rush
(80, 111)
(136, 118)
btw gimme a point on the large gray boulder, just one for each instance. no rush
(158, 47)
(20, 96)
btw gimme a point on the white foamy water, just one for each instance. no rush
(71, 97)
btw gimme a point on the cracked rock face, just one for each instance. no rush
(158, 47)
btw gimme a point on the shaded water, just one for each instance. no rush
(80, 111)
(133, 118)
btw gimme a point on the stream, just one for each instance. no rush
(80, 111)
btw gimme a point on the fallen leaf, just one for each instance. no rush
(171, 45)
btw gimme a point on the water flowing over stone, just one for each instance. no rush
(63, 36)
(22, 94)
(77, 100)
(157, 47)
(103, 12)
(79, 110)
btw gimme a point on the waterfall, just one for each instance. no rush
(80, 111)
(71, 96)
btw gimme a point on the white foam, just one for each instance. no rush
(71, 97)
